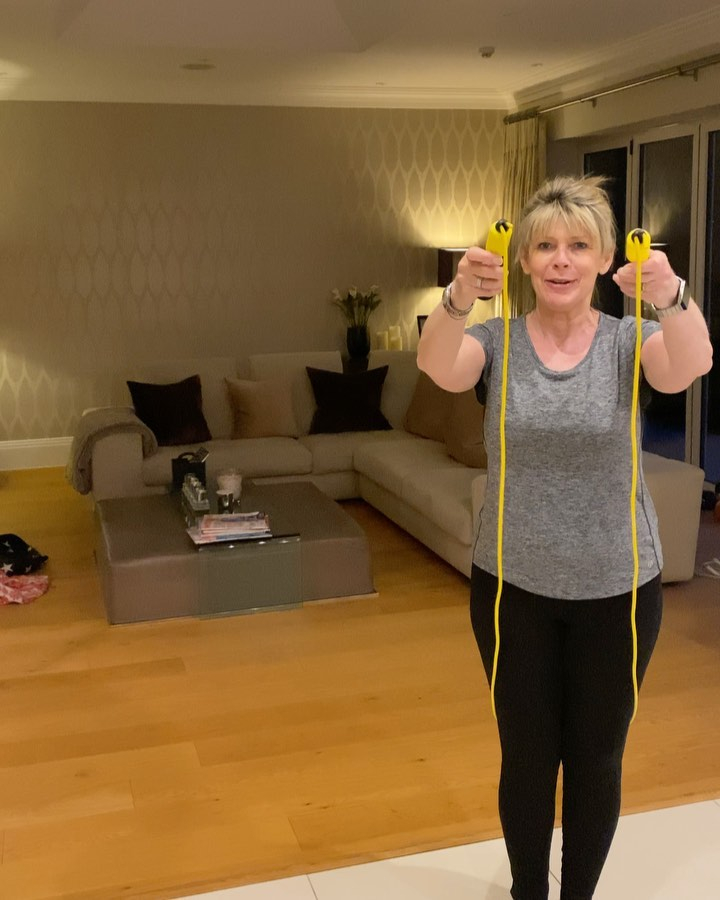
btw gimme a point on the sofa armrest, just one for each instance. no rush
(477, 497)
(117, 467)
(676, 490)
(96, 425)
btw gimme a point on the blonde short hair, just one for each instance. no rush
(581, 204)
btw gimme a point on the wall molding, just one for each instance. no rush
(40, 453)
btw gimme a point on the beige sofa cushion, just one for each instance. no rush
(429, 409)
(464, 436)
(445, 497)
(261, 408)
(335, 452)
(389, 462)
(399, 383)
(456, 419)
(291, 367)
(254, 458)
(420, 472)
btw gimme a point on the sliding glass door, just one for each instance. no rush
(710, 395)
(653, 184)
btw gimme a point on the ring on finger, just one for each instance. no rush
(479, 282)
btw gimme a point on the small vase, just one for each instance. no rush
(358, 341)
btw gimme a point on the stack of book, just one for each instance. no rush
(230, 527)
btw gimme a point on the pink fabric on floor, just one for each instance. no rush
(21, 588)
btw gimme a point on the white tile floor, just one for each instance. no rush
(670, 854)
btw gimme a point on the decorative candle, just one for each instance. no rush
(381, 340)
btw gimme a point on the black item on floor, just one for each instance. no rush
(709, 499)
(17, 557)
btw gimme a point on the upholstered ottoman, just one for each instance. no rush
(150, 569)
(676, 490)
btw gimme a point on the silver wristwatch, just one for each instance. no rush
(451, 310)
(680, 304)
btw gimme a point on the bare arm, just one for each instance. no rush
(674, 357)
(681, 352)
(452, 358)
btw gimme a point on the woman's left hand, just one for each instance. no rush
(680, 351)
(659, 282)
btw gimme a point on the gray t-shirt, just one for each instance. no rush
(567, 530)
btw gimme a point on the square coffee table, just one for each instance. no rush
(150, 569)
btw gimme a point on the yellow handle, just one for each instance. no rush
(498, 238)
(637, 245)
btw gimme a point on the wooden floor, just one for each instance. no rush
(157, 760)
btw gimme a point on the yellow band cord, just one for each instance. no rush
(503, 451)
(637, 248)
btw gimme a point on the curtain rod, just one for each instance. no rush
(685, 69)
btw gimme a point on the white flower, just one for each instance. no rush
(357, 305)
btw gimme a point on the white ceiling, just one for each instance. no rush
(381, 53)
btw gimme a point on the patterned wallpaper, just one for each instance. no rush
(130, 233)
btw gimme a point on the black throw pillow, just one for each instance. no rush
(173, 412)
(347, 401)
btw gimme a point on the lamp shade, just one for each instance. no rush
(448, 259)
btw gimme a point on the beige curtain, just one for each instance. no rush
(523, 167)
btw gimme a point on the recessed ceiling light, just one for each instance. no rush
(198, 66)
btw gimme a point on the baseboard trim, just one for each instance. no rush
(42, 453)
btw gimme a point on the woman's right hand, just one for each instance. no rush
(479, 274)
(453, 359)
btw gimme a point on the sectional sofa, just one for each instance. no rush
(426, 472)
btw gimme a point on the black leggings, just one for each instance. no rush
(563, 694)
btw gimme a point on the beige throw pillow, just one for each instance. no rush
(261, 408)
(429, 409)
(464, 437)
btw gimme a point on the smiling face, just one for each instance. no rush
(563, 261)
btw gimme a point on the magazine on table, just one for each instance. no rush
(212, 529)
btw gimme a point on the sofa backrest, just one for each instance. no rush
(397, 391)
(399, 384)
(212, 372)
(291, 366)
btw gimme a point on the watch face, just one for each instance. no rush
(684, 295)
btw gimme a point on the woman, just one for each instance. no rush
(564, 689)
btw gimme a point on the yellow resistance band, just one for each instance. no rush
(498, 240)
(637, 249)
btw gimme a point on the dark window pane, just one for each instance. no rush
(710, 433)
(665, 211)
(613, 165)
